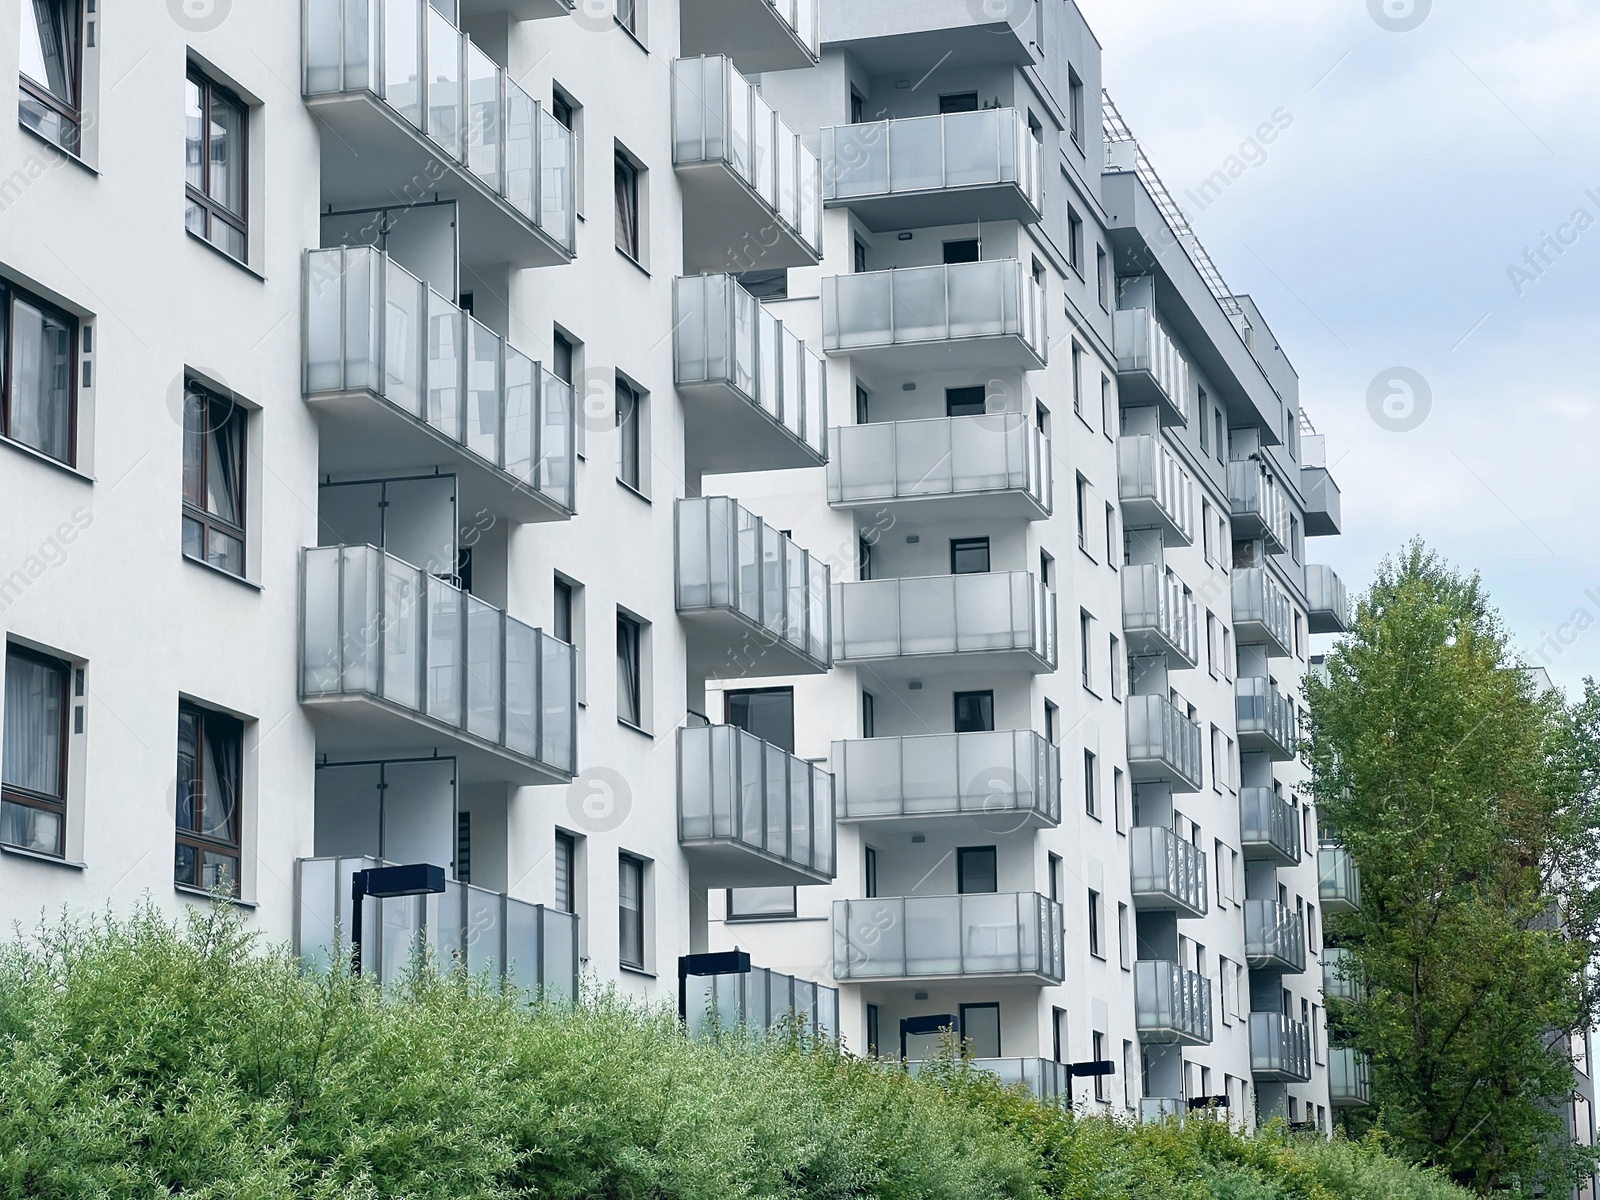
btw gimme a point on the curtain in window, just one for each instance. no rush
(50, 46)
(628, 425)
(31, 757)
(630, 910)
(627, 206)
(41, 380)
(219, 808)
(628, 673)
(224, 493)
(188, 766)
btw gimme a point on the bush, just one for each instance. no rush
(140, 1058)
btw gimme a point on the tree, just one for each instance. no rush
(1467, 796)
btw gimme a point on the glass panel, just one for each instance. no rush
(858, 156)
(41, 370)
(227, 154)
(444, 365)
(556, 212)
(445, 652)
(522, 689)
(485, 657)
(971, 148)
(521, 152)
(916, 158)
(483, 392)
(444, 82)
(34, 715)
(194, 166)
(520, 415)
(402, 59)
(557, 717)
(404, 343)
(483, 117)
(402, 622)
(920, 311)
(556, 453)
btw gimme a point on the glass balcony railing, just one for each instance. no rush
(1265, 717)
(1163, 744)
(1274, 937)
(1159, 615)
(925, 937)
(1168, 872)
(373, 625)
(1259, 507)
(1341, 978)
(986, 152)
(1262, 612)
(1045, 1079)
(1320, 489)
(993, 455)
(1159, 1110)
(1339, 879)
(751, 814)
(1269, 826)
(918, 306)
(373, 328)
(724, 339)
(732, 562)
(1327, 600)
(407, 56)
(1155, 489)
(761, 35)
(530, 946)
(1147, 353)
(1001, 612)
(719, 119)
(1004, 775)
(1280, 1048)
(759, 1001)
(1349, 1077)
(1172, 1005)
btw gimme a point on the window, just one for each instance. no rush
(561, 626)
(872, 1030)
(980, 1030)
(1094, 930)
(566, 872)
(33, 761)
(1083, 514)
(561, 359)
(969, 556)
(1052, 723)
(1295, 545)
(627, 12)
(561, 109)
(766, 713)
(1219, 859)
(974, 712)
(1061, 1045)
(1124, 938)
(1091, 784)
(1116, 668)
(1047, 572)
(1111, 536)
(627, 198)
(1102, 278)
(630, 404)
(1053, 865)
(214, 432)
(51, 76)
(1222, 437)
(761, 903)
(1075, 240)
(38, 378)
(858, 256)
(630, 911)
(870, 873)
(858, 111)
(1099, 1045)
(1205, 527)
(863, 559)
(1086, 647)
(964, 401)
(1119, 798)
(1075, 106)
(210, 761)
(959, 103)
(464, 847)
(966, 250)
(214, 165)
(977, 870)
(1041, 417)
(1204, 408)
(1077, 381)
(863, 405)
(1299, 636)
(1107, 425)
(630, 698)
(869, 715)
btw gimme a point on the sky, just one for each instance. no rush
(1424, 239)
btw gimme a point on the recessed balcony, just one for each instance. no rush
(1324, 516)
(1265, 717)
(753, 603)
(750, 814)
(1010, 779)
(1269, 827)
(759, 1001)
(397, 662)
(1349, 1077)
(1163, 744)
(1172, 1005)
(921, 172)
(1046, 1080)
(954, 316)
(1280, 1048)
(751, 190)
(1262, 612)
(981, 621)
(994, 465)
(1160, 616)
(1327, 600)
(403, 381)
(759, 35)
(1150, 367)
(1169, 874)
(1339, 879)
(529, 946)
(1156, 490)
(755, 397)
(1258, 504)
(996, 935)
(1274, 937)
(517, 10)
(411, 109)
(1341, 979)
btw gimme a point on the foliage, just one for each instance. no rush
(1461, 793)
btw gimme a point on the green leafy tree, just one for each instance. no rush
(1466, 792)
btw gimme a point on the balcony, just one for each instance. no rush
(1341, 978)
(885, 38)
(1324, 517)
(1163, 744)
(996, 465)
(1159, 1110)
(1009, 779)
(1328, 603)
(749, 814)
(1172, 1005)
(755, 397)
(759, 1001)
(1338, 879)
(1280, 1048)
(1349, 1077)
(1262, 612)
(1258, 505)
(403, 381)
(1046, 1080)
(1269, 827)
(1265, 717)
(395, 661)
(529, 946)
(1155, 489)
(922, 172)
(1160, 616)
(517, 10)
(754, 604)
(1007, 618)
(1001, 935)
(1150, 367)
(413, 110)
(1274, 937)
(751, 190)
(956, 316)
(1169, 874)
(759, 35)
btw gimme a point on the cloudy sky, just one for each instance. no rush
(1433, 148)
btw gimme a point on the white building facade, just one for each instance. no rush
(722, 474)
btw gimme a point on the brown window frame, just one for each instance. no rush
(72, 110)
(10, 293)
(201, 196)
(203, 843)
(26, 797)
(209, 521)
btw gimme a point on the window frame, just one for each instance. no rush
(962, 852)
(212, 208)
(630, 863)
(1091, 784)
(626, 174)
(10, 295)
(971, 545)
(630, 441)
(735, 916)
(566, 900)
(71, 109)
(980, 696)
(202, 843)
(26, 797)
(207, 521)
(631, 629)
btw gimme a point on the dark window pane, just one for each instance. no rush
(628, 690)
(964, 401)
(188, 771)
(225, 462)
(186, 865)
(35, 722)
(980, 1029)
(963, 102)
(977, 870)
(769, 715)
(965, 251)
(627, 206)
(974, 712)
(969, 556)
(50, 47)
(630, 911)
(35, 829)
(194, 151)
(41, 380)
